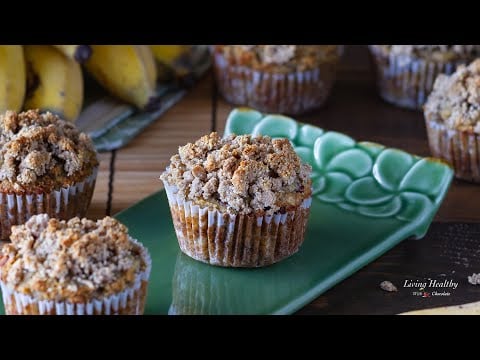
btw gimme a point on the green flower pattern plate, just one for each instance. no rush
(366, 199)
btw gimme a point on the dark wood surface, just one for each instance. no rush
(449, 251)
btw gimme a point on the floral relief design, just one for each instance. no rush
(361, 177)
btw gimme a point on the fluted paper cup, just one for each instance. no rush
(406, 81)
(64, 204)
(292, 93)
(236, 240)
(460, 148)
(130, 301)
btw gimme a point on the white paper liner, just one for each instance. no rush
(64, 204)
(407, 81)
(128, 302)
(225, 239)
(461, 149)
(291, 93)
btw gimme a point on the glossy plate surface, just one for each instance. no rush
(367, 198)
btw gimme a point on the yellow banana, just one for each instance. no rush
(127, 71)
(54, 82)
(173, 61)
(12, 77)
(167, 54)
(79, 53)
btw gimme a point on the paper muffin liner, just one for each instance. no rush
(459, 148)
(236, 240)
(292, 93)
(407, 81)
(131, 301)
(65, 203)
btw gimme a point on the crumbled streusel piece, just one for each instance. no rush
(388, 286)
(474, 279)
(242, 173)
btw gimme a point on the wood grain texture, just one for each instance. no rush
(448, 252)
(98, 206)
(138, 166)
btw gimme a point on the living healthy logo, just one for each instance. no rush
(431, 287)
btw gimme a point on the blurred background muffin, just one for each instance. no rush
(75, 267)
(46, 166)
(406, 73)
(452, 115)
(287, 79)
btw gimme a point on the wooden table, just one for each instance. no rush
(450, 251)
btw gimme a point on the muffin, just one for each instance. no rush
(287, 79)
(406, 73)
(55, 267)
(452, 116)
(242, 201)
(46, 166)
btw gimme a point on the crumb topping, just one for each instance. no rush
(76, 260)
(280, 58)
(388, 286)
(474, 279)
(436, 52)
(455, 99)
(42, 151)
(240, 173)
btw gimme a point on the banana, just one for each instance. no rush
(173, 61)
(54, 82)
(79, 53)
(12, 77)
(127, 71)
(167, 54)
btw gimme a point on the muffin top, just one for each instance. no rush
(41, 152)
(242, 174)
(78, 260)
(455, 99)
(279, 58)
(434, 52)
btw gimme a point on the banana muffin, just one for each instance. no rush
(242, 201)
(452, 116)
(288, 79)
(406, 73)
(75, 267)
(46, 166)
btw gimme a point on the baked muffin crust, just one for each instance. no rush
(434, 52)
(455, 99)
(41, 152)
(77, 260)
(279, 58)
(242, 174)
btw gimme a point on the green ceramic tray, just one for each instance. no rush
(367, 199)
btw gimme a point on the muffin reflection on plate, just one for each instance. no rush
(199, 289)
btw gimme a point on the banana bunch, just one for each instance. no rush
(50, 78)
(174, 62)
